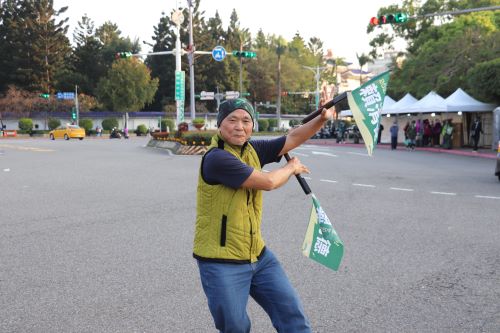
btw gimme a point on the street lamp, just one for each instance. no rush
(316, 71)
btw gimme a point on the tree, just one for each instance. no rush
(363, 59)
(483, 80)
(127, 86)
(35, 42)
(87, 61)
(163, 67)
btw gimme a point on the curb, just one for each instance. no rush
(492, 155)
(177, 148)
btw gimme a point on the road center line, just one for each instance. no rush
(486, 197)
(363, 185)
(308, 178)
(402, 189)
(444, 193)
(328, 181)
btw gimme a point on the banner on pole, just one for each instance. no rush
(366, 104)
(322, 244)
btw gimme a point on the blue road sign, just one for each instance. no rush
(218, 53)
(65, 95)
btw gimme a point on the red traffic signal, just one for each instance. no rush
(123, 55)
(389, 19)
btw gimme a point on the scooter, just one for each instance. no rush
(115, 134)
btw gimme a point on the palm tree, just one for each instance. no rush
(363, 59)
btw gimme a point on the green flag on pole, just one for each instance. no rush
(366, 104)
(322, 244)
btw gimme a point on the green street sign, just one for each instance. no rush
(180, 79)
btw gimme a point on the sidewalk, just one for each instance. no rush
(465, 151)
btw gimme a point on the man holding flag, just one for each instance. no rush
(232, 257)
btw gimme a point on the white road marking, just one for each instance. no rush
(299, 154)
(443, 193)
(402, 189)
(486, 197)
(360, 154)
(6, 170)
(363, 185)
(328, 180)
(323, 153)
(308, 178)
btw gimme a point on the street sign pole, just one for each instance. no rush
(77, 107)
(178, 18)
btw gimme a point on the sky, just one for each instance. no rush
(340, 25)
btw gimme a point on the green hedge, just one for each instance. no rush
(25, 124)
(141, 130)
(53, 123)
(263, 125)
(86, 124)
(109, 123)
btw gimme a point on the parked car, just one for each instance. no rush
(67, 132)
(497, 170)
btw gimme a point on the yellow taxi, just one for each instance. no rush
(67, 132)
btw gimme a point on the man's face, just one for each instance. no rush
(237, 127)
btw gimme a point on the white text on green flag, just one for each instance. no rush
(322, 244)
(366, 104)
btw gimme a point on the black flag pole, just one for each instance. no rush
(333, 102)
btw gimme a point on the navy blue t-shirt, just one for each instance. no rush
(221, 167)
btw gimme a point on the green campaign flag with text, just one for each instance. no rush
(322, 244)
(366, 104)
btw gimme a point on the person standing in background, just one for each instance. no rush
(394, 135)
(475, 132)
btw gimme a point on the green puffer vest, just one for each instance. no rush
(228, 220)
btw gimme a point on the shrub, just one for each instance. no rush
(86, 124)
(53, 123)
(198, 138)
(293, 122)
(141, 130)
(183, 127)
(25, 124)
(263, 125)
(273, 122)
(109, 123)
(167, 125)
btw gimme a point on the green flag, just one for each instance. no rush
(322, 243)
(366, 104)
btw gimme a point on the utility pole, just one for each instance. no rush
(316, 71)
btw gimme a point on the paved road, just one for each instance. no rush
(96, 237)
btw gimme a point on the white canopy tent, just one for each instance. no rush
(388, 102)
(400, 106)
(431, 102)
(461, 101)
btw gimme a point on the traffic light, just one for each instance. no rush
(244, 54)
(284, 93)
(73, 113)
(46, 96)
(123, 55)
(396, 18)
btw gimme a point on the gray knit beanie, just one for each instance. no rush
(230, 105)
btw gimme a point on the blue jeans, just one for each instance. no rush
(227, 287)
